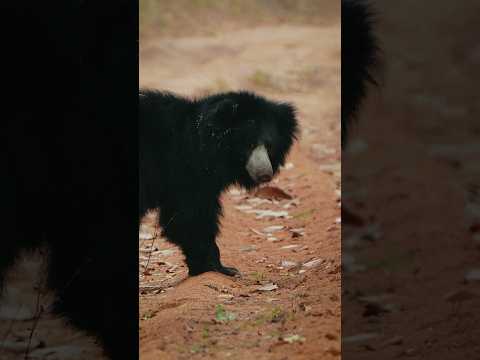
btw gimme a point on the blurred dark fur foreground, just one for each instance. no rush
(69, 159)
(359, 58)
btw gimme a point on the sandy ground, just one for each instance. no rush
(28, 329)
(410, 286)
(287, 305)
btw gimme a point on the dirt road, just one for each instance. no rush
(287, 305)
(411, 284)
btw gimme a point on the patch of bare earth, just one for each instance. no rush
(28, 328)
(285, 240)
(411, 280)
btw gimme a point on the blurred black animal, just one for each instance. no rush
(69, 158)
(359, 58)
(192, 150)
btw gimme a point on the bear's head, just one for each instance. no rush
(247, 135)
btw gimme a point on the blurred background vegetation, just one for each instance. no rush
(208, 17)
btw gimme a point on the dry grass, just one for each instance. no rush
(219, 85)
(208, 17)
(262, 79)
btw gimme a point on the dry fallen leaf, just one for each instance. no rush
(257, 232)
(313, 263)
(243, 207)
(248, 248)
(146, 236)
(270, 300)
(271, 192)
(293, 203)
(273, 239)
(226, 296)
(288, 264)
(293, 338)
(289, 246)
(273, 228)
(268, 287)
(298, 232)
(268, 213)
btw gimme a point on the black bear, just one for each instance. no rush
(69, 160)
(359, 57)
(192, 150)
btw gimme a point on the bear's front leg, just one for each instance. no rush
(216, 265)
(195, 233)
(206, 257)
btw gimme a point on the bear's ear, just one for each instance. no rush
(287, 114)
(223, 110)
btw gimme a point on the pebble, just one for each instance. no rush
(472, 275)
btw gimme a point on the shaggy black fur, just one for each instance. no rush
(359, 57)
(192, 150)
(69, 159)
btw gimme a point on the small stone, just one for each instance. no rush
(473, 275)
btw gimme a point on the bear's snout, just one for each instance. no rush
(258, 165)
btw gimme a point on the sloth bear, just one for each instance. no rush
(69, 159)
(192, 150)
(359, 57)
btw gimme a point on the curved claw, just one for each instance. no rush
(230, 271)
